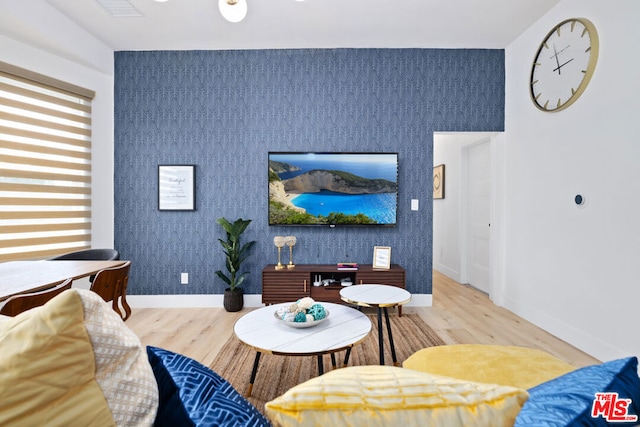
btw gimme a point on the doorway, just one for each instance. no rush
(467, 222)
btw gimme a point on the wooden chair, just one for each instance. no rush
(23, 302)
(111, 285)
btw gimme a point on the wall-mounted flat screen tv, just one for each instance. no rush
(333, 189)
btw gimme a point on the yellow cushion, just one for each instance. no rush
(392, 396)
(47, 368)
(506, 365)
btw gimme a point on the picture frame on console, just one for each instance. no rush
(381, 257)
(176, 187)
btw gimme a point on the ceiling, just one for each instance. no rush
(197, 24)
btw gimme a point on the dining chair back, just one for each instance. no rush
(102, 254)
(105, 254)
(111, 285)
(23, 302)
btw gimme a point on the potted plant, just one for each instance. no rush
(235, 254)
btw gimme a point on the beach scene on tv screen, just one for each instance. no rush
(333, 188)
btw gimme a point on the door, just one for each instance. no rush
(478, 216)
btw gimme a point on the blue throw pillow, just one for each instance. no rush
(193, 395)
(569, 399)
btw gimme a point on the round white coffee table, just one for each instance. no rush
(262, 331)
(381, 297)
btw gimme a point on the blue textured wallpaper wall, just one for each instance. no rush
(225, 110)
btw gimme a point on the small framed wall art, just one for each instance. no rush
(438, 182)
(382, 257)
(176, 187)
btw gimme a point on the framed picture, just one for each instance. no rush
(382, 257)
(176, 188)
(438, 182)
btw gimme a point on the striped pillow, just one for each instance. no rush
(390, 396)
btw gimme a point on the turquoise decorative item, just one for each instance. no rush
(317, 311)
(303, 313)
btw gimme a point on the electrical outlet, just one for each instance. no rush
(184, 278)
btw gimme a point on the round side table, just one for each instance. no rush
(382, 297)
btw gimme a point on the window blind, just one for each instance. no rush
(45, 165)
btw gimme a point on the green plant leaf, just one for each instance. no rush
(223, 277)
(235, 253)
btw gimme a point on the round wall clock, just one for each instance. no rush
(564, 64)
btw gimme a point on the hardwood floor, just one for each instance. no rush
(459, 314)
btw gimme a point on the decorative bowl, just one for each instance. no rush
(301, 325)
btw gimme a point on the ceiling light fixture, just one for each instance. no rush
(233, 10)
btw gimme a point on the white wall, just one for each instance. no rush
(95, 75)
(575, 271)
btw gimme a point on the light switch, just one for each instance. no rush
(415, 203)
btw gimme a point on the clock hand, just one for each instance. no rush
(555, 54)
(560, 66)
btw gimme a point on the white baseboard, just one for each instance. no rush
(447, 271)
(420, 300)
(250, 300)
(580, 339)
